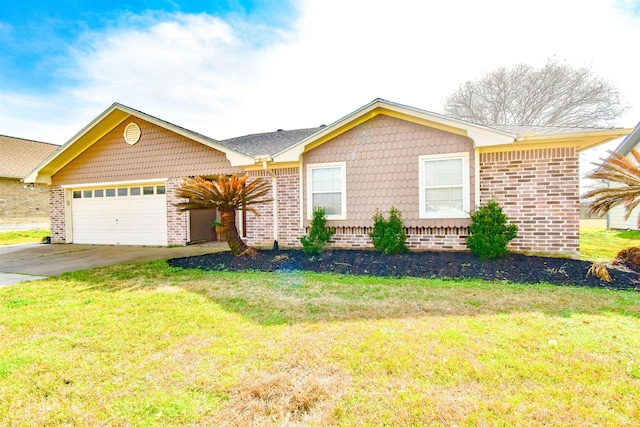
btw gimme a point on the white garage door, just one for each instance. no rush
(131, 215)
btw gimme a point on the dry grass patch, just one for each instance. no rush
(285, 395)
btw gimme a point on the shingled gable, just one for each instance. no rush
(104, 123)
(484, 137)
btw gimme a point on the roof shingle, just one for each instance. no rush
(20, 156)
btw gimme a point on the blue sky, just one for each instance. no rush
(36, 35)
(229, 68)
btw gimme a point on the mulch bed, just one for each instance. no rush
(514, 268)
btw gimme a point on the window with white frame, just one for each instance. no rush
(326, 188)
(444, 186)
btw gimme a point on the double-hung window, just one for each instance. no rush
(326, 188)
(444, 186)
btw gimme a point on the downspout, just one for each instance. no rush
(274, 192)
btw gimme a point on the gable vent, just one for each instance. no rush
(132, 133)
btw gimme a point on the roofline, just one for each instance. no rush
(482, 135)
(30, 140)
(629, 142)
(234, 157)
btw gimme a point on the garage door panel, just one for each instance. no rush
(123, 220)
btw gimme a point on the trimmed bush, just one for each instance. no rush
(489, 233)
(388, 236)
(319, 234)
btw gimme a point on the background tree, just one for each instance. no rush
(554, 95)
(227, 195)
(622, 170)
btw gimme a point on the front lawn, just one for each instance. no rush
(23, 236)
(151, 345)
(600, 244)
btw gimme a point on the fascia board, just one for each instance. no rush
(631, 141)
(72, 148)
(481, 135)
(104, 123)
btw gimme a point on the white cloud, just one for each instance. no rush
(229, 78)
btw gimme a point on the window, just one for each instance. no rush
(160, 189)
(111, 192)
(77, 194)
(87, 194)
(123, 191)
(99, 193)
(134, 191)
(444, 186)
(326, 187)
(147, 190)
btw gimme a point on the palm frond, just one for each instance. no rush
(622, 170)
(222, 193)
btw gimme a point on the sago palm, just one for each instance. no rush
(622, 170)
(227, 195)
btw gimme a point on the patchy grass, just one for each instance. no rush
(24, 236)
(598, 244)
(149, 345)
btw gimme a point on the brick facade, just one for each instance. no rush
(23, 206)
(538, 190)
(177, 223)
(56, 204)
(260, 228)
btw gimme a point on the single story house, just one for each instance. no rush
(615, 217)
(20, 205)
(115, 181)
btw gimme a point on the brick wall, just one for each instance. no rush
(56, 204)
(176, 221)
(539, 190)
(23, 206)
(260, 228)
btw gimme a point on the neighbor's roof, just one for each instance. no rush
(630, 141)
(270, 142)
(19, 156)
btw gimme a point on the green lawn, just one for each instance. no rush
(148, 345)
(25, 236)
(600, 244)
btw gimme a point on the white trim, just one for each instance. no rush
(466, 196)
(116, 183)
(476, 178)
(343, 189)
(301, 191)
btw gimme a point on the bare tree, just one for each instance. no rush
(554, 95)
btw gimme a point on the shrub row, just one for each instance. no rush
(489, 232)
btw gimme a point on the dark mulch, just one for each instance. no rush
(514, 268)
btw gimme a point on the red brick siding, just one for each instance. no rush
(539, 190)
(177, 223)
(56, 206)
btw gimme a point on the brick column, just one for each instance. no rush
(177, 227)
(57, 212)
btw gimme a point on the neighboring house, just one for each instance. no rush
(20, 206)
(115, 181)
(615, 217)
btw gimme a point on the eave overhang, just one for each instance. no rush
(482, 136)
(103, 124)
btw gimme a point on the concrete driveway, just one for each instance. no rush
(34, 261)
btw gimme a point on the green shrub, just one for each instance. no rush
(388, 236)
(489, 233)
(319, 234)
